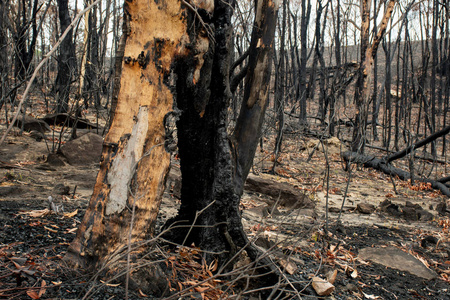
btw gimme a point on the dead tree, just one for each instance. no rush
(214, 165)
(66, 60)
(368, 52)
(384, 164)
(24, 47)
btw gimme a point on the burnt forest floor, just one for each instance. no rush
(408, 220)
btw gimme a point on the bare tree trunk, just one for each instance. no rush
(134, 161)
(25, 48)
(434, 57)
(214, 166)
(362, 90)
(66, 60)
(280, 89)
(304, 20)
(4, 4)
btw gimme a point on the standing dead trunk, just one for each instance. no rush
(66, 60)
(362, 91)
(3, 53)
(306, 11)
(134, 163)
(24, 47)
(214, 166)
(280, 90)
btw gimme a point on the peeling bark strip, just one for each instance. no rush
(156, 36)
(123, 166)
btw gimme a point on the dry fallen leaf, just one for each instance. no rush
(289, 266)
(36, 213)
(331, 276)
(71, 214)
(322, 287)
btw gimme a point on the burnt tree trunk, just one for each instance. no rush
(362, 91)
(24, 47)
(214, 165)
(4, 4)
(66, 60)
(304, 20)
(134, 163)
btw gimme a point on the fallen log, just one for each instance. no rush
(444, 179)
(430, 158)
(382, 165)
(427, 140)
(281, 193)
(68, 120)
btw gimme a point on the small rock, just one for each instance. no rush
(441, 208)
(390, 208)
(425, 215)
(409, 213)
(85, 150)
(37, 135)
(397, 259)
(54, 160)
(428, 241)
(365, 208)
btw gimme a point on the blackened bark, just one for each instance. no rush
(306, 11)
(66, 60)
(24, 55)
(91, 89)
(213, 165)
(280, 90)
(3, 44)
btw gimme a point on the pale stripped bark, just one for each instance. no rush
(134, 163)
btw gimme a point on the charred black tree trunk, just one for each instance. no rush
(306, 11)
(66, 60)
(91, 89)
(204, 151)
(3, 44)
(214, 166)
(24, 47)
